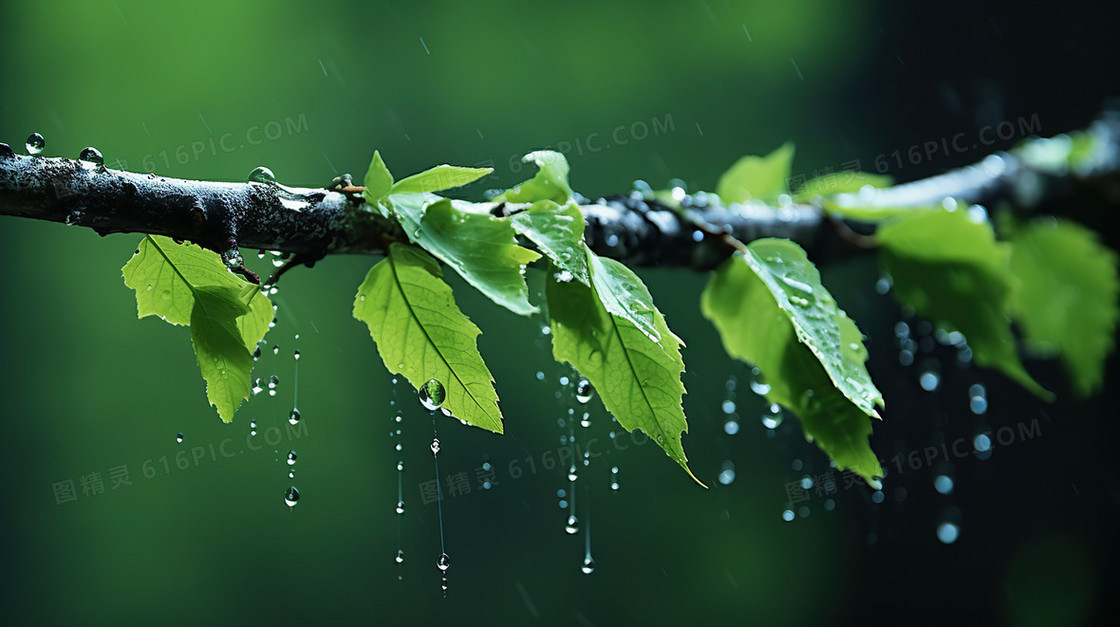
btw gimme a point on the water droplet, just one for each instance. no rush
(443, 562)
(878, 497)
(291, 457)
(614, 477)
(434, 446)
(731, 427)
(296, 355)
(179, 438)
(943, 484)
(400, 507)
(727, 472)
(294, 416)
(947, 532)
(758, 384)
(588, 565)
(92, 155)
(232, 258)
(35, 144)
(585, 422)
(261, 174)
(291, 496)
(275, 349)
(788, 515)
(728, 407)
(257, 389)
(982, 443)
(584, 390)
(252, 427)
(572, 526)
(772, 417)
(432, 394)
(400, 555)
(929, 380)
(573, 474)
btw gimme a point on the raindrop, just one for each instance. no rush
(291, 457)
(614, 477)
(434, 446)
(948, 532)
(294, 416)
(728, 407)
(584, 391)
(400, 555)
(261, 174)
(585, 422)
(291, 496)
(788, 515)
(758, 385)
(400, 507)
(275, 349)
(296, 355)
(772, 417)
(929, 380)
(878, 497)
(572, 526)
(982, 443)
(573, 474)
(252, 427)
(727, 472)
(943, 484)
(431, 395)
(232, 258)
(35, 144)
(92, 155)
(977, 399)
(731, 427)
(588, 565)
(257, 389)
(179, 438)
(444, 562)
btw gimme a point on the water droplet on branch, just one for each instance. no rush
(261, 174)
(92, 155)
(35, 144)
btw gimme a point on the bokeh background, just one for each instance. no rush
(627, 90)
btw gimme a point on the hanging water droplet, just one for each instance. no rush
(947, 532)
(291, 496)
(275, 349)
(400, 466)
(92, 155)
(443, 562)
(788, 515)
(584, 390)
(731, 427)
(929, 380)
(585, 422)
(257, 389)
(400, 555)
(35, 144)
(261, 174)
(291, 457)
(252, 427)
(614, 477)
(296, 355)
(758, 384)
(400, 507)
(434, 446)
(432, 394)
(588, 565)
(573, 474)
(572, 526)
(727, 472)
(772, 417)
(179, 438)
(943, 484)
(294, 416)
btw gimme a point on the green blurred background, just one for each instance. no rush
(628, 90)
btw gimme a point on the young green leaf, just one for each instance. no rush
(637, 377)
(763, 178)
(439, 178)
(219, 348)
(771, 310)
(558, 233)
(422, 334)
(950, 268)
(550, 182)
(378, 181)
(1065, 296)
(481, 248)
(186, 285)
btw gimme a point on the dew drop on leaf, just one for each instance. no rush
(432, 394)
(291, 496)
(35, 144)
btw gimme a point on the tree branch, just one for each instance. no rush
(313, 223)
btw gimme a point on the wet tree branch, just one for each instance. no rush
(312, 223)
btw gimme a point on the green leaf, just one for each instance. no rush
(219, 348)
(637, 377)
(950, 268)
(771, 310)
(170, 279)
(439, 178)
(378, 181)
(558, 233)
(550, 182)
(1065, 297)
(844, 182)
(422, 334)
(763, 178)
(481, 248)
